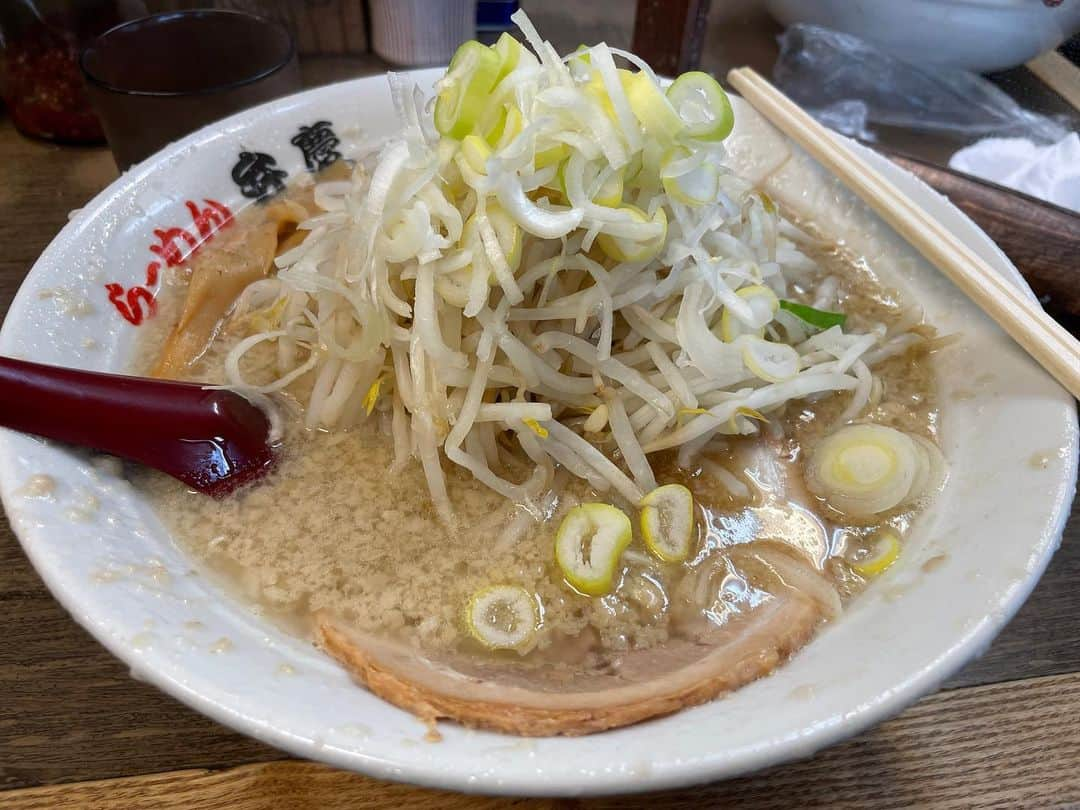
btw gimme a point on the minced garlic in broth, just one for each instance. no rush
(336, 527)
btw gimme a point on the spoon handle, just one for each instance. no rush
(213, 440)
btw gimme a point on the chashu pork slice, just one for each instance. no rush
(540, 701)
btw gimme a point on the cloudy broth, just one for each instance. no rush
(338, 528)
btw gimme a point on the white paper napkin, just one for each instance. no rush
(1050, 172)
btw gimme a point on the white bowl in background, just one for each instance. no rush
(1009, 434)
(977, 35)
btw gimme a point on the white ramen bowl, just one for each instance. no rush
(1009, 433)
(976, 35)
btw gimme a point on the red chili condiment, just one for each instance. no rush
(44, 88)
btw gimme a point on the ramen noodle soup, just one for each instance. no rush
(580, 428)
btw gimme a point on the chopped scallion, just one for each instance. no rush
(820, 318)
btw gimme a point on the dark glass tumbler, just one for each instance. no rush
(156, 79)
(39, 64)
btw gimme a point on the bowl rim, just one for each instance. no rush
(710, 767)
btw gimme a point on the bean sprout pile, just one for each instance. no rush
(552, 263)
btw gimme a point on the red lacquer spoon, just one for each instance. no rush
(212, 440)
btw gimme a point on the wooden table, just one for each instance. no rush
(76, 731)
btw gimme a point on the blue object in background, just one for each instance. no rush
(493, 17)
(495, 13)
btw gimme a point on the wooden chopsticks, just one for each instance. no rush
(1059, 74)
(1024, 320)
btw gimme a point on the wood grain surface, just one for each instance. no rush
(1010, 744)
(1003, 732)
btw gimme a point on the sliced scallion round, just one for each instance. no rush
(589, 544)
(551, 155)
(476, 152)
(884, 551)
(594, 89)
(763, 303)
(623, 249)
(667, 522)
(464, 91)
(651, 107)
(611, 190)
(506, 127)
(865, 469)
(509, 51)
(502, 617)
(769, 361)
(702, 105)
(609, 193)
(698, 186)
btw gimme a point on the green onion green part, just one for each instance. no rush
(820, 318)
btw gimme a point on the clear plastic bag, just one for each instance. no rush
(849, 84)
